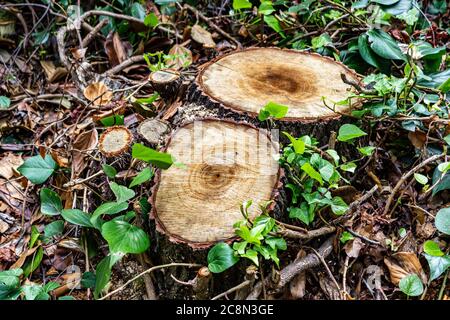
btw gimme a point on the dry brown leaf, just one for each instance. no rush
(98, 93)
(202, 36)
(19, 263)
(78, 53)
(353, 247)
(51, 72)
(417, 139)
(182, 57)
(115, 49)
(84, 143)
(9, 164)
(402, 264)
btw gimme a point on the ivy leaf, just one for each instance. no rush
(444, 182)
(50, 202)
(138, 11)
(297, 144)
(310, 171)
(349, 132)
(442, 220)
(122, 193)
(110, 171)
(143, 176)
(366, 151)
(432, 248)
(384, 45)
(252, 255)
(221, 257)
(160, 159)
(38, 169)
(274, 110)
(273, 22)
(301, 213)
(10, 278)
(125, 237)
(78, 217)
(151, 20)
(420, 178)
(5, 102)
(346, 236)
(114, 120)
(411, 285)
(241, 4)
(338, 206)
(438, 265)
(276, 243)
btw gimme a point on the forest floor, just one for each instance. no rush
(69, 73)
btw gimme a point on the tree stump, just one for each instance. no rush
(224, 164)
(239, 84)
(196, 206)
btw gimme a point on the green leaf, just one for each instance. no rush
(334, 155)
(124, 237)
(273, 22)
(109, 208)
(349, 132)
(151, 20)
(410, 17)
(432, 248)
(438, 265)
(10, 277)
(50, 202)
(160, 159)
(301, 213)
(266, 7)
(252, 255)
(143, 176)
(321, 41)
(411, 285)
(263, 115)
(5, 102)
(349, 167)
(33, 262)
(34, 236)
(310, 171)
(346, 236)
(366, 151)
(276, 243)
(114, 120)
(444, 167)
(274, 110)
(338, 206)
(110, 171)
(447, 137)
(444, 179)
(138, 11)
(297, 144)
(420, 178)
(103, 272)
(221, 257)
(53, 229)
(241, 4)
(78, 217)
(38, 169)
(384, 45)
(239, 247)
(442, 220)
(122, 193)
(368, 54)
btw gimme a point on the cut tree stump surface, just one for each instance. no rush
(225, 164)
(247, 80)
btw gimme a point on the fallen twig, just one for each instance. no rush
(405, 177)
(169, 265)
